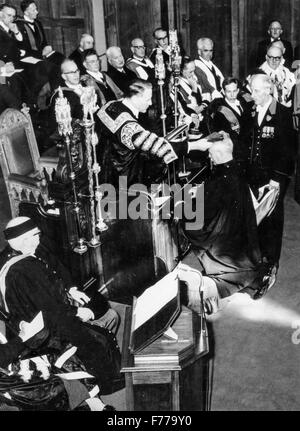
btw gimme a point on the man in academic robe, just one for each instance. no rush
(33, 35)
(93, 76)
(283, 79)
(29, 285)
(133, 151)
(139, 63)
(162, 41)
(269, 152)
(209, 75)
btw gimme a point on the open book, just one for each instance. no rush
(265, 203)
(154, 311)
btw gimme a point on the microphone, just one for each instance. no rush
(160, 70)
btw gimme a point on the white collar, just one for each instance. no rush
(265, 107)
(233, 104)
(30, 21)
(4, 26)
(207, 63)
(97, 75)
(129, 105)
(74, 87)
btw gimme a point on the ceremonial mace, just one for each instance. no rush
(88, 100)
(176, 67)
(64, 120)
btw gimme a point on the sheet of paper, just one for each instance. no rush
(31, 60)
(8, 75)
(36, 325)
(155, 298)
(76, 375)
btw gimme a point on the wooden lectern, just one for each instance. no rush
(167, 375)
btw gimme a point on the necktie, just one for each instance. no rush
(217, 78)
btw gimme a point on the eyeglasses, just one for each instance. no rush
(138, 47)
(162, 38)
(92, 61)
(206, 50)
(274, 58)
(71, 72)
(275, 28)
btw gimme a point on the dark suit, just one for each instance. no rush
(34, 41)
(270, 155)
(262, 51)
(77, 56)
(297, 52)
(8, 99)
(9, 49)
(120, 79)
(104, 92)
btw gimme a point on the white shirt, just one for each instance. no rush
(97, 75)
(262, 110)
(129, 105)
(18, 36)
(235, 105)
(30, 22)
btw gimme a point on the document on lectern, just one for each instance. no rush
(154, 311)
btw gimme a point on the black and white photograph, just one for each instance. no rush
(149, 208)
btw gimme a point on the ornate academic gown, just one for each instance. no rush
(32, 286)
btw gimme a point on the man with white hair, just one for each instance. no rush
(209, 75)
(269, 152)
(119, 74)
(86, 42)
(30, 283)
(283, 80)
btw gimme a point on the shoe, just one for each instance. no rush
(268, 281)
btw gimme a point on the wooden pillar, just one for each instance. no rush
(99, 31)
(235, 49)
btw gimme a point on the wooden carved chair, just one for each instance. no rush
(21, 164)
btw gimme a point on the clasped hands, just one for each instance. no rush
(204, 144)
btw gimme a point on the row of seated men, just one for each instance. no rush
(230, 252)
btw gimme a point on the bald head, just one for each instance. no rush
(221, 152)
(274, 57)
(115, 57)
(278, 44)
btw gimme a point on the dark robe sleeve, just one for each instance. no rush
(10, 351)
